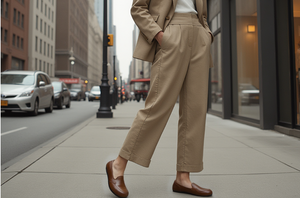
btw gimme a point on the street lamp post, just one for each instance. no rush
(72, 61)
(121, 90)
(114, 84)
(104, 111)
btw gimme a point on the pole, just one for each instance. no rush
(121, 90)
(114, 90)
(104, 111)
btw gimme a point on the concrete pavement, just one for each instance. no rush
(240, 161)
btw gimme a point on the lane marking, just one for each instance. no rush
(12, 131)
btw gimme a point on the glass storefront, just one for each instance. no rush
(296, 75)
(245, 64)
(216, 97)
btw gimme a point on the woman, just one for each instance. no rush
(175, 36)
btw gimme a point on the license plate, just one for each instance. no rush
(97, 97)
(4, 103)
(256, 97)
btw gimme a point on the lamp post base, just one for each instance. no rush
(104, 114)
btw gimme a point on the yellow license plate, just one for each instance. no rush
(4, 103)
(256, 97)
(97, 97)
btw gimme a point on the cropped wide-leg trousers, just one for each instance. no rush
(180, 68)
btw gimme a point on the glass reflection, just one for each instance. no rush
(297, 54)
(216, 75)
(245, 67)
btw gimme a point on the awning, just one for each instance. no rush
(140, 80)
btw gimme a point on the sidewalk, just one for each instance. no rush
(239, 162)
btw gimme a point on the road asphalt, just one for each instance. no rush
(240, 161)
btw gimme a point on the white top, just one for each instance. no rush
(186, 6)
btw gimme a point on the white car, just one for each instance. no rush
(95, 93)
(26, 91)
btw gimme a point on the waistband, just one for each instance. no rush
(185, 19)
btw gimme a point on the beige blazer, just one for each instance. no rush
(153, 16)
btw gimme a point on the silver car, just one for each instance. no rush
(26, 91)
(95, 94)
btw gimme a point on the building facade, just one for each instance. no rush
(14, 34)
(138, 68)
(71, 33)
(41, 39)
(255, 79)
(95, 48)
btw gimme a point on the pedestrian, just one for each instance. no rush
(175, 37)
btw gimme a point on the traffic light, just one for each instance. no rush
(86, 81)
(110, 39)
(115, 78)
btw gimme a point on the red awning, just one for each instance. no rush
(140, 80)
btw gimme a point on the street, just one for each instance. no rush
(21, 133)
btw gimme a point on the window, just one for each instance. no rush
(41, 46)
(47, 68)
(36, 64)
(18, 38)
(37, 22)
(45, 48)
(52, 2)
(15, 15)
(50, 70)
(14, 40)
(37, 3)
(6, 10)
(52, 16)
(40, 66)
(5, 36)
(44, 68)
(51, 51)
(42, 6)
(41, 25)
(18, 18)
(45, 9)
(48, 31)
(22, 43)
(45, 28)
(245, 64)
(49, 13)
(51, 33)
(48, 50)
(36, 43)
(22, 21)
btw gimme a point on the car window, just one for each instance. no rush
(44, 77)
(95, 88)
(17, 79)
(48, 79)
(39, 79)
(56, 86)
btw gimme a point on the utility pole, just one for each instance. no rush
(104, 111)
(114, 84)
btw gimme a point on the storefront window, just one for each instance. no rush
(216, 98)
(296, 4)
(245, 76)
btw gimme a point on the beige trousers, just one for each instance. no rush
(181, 67)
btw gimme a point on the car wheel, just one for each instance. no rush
(35, 109)
(61, 103)
(50, 108)
(69, 104)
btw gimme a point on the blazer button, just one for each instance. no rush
(167, 18)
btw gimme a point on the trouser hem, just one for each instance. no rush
(190, 168)
(136, 159)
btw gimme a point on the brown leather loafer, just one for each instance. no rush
(195, 190)
(117, 186)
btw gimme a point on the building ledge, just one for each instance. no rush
(287, 131)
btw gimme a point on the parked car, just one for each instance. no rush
(95, 93)
(26, 91)
(62, 95)
(77, 92)
(248, 94)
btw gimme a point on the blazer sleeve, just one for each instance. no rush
(204, 16)
(143, 19)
